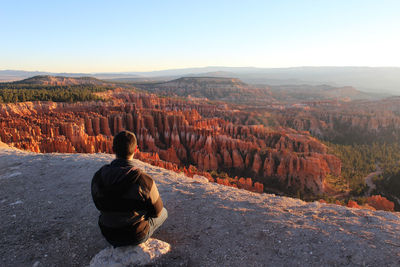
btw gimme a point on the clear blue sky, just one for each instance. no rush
(96, 36)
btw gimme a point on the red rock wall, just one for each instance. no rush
(177, 131)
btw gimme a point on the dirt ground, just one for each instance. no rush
(48, 219)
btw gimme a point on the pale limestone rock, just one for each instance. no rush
(142, 254)
(200, 179)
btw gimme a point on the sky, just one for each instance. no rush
(124, 36)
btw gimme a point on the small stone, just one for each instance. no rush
(16, 203)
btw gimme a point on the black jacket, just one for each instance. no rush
(126, 198)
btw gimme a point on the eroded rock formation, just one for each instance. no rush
(180, 132)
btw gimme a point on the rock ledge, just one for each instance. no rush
(142, 254)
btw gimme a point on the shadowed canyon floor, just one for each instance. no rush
(48, 219)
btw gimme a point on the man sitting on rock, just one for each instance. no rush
(128, 199)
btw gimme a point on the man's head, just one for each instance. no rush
(124, 144)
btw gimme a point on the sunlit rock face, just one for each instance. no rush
(181, 132)
(140, 255)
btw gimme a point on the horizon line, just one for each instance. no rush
(203, 67)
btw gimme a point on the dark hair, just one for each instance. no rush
(124, 144)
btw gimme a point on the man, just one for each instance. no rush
(128, 199)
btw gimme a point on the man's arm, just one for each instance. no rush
(153, 199)
(95, 190)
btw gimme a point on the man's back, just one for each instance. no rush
(127, 199)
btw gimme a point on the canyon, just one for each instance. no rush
(178, 131)
(361, 121)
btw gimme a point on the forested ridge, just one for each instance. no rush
(15, 92)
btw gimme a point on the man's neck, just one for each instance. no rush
(129, 158)
(122, 162)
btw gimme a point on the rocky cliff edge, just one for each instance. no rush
(48, 219)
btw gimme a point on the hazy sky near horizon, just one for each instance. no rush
(113, 36)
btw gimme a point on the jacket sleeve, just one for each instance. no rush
(95, 189)
(154, 202)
